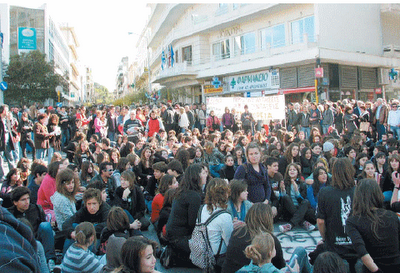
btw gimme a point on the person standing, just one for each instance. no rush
(41, 136)
(394, 121)
(304, 121)
(25, 128)
(380, 116)
(202, 117)
(6, 144)
(112, 123)
(213, 123)
(247, 120)
(291, 117)
(327, 118)
(227, 120)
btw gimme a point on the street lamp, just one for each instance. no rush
(148, 57)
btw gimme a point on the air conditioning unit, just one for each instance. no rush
(383, 76)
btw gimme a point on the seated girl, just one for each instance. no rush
(293, 199)
(262, 250)
(238, 205)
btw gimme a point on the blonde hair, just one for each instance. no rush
(261, 248)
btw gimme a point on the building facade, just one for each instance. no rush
(201, 50)
(122, 82)
(59, 43)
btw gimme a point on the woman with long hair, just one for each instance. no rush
(83, 153)
(137, 255)
(130, 197)
(293, 198)
(86, 174)
(67, 185)
(13, 180)
(55, 140)
(144, 170)
(291, 155)
(321, 180)
(220, 228)
(258, 219)
(184, 210)
(306, 161)
(167, 182)
(373, 230)
(25, 128)
(238, 205)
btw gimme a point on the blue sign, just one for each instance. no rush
(27, 38)
(59, 104)
(3, 86)
(216, 82)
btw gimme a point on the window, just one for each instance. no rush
(273, 36)
(187, 54)
(245, 44)
(299, 27)
(221, 50)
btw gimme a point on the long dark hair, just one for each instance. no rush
(343, 174)
(317, 185)
(367, 199)
(190, 179)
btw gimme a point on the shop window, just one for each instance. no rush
(302, 26)
(273, 36)
(245, 44)
(221, 50)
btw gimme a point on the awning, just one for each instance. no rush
(297, 90)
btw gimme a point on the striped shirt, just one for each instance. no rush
(77, 259)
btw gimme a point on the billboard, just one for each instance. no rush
(26, 39)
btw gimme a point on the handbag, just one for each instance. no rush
(364, 126)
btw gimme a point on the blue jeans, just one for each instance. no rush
(306, 131)
(46, 237)
(325, 129)
(302, 260)
(9, 157)
(65, 137)
(111, 136)
(50, 153)
(380, 129)
(40, 153)
(396, 132)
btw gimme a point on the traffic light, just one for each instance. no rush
(320, 90)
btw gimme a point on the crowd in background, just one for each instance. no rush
(89, 181)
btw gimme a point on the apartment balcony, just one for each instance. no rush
(179, 69)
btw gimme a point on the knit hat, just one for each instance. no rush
(328, 146)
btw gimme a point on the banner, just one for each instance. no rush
(262, 108)
(26, 38)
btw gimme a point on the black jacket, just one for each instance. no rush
(134, 204)
(35, 215)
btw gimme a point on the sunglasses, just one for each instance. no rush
(110, 170)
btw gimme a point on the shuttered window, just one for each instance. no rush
(306, 75)
(288, 77)
(348, 77)
(368, 78)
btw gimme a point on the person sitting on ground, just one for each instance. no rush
(78, 257)
(137, 254)
(131, 198)
(167, 182)
(262, 250)
(38, 172)
(95, 211)
(67, 184)
(118, 230)
(43, 232)
(238, 205)
(105, 176)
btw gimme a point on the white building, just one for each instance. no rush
(122, 79)
(260, 49)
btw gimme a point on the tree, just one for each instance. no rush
(102, 96)
(31, 79)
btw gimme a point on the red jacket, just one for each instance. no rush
(46, 190)
(153, 126)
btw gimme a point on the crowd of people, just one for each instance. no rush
(86, 183)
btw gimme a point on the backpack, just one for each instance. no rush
(201, 253)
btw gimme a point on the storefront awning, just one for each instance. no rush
(297, 90)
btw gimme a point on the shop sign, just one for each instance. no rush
(254, 81)
(210, 89)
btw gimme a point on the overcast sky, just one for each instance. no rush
(102, 30)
